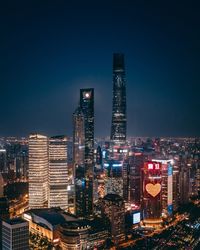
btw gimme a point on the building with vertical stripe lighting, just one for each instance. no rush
(38, 171)
(58, 172)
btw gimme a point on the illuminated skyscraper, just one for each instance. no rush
(78, 138)
(87, 107)
(152, 194)
(118, 127)
(114, 177)
(99, 156)
(167, 186)
(114, 208)
(136, 162)
(38, 171)
(58, 172)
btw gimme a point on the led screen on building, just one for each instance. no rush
(136, 218)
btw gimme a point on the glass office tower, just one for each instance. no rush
(118, 127)
(87, 107)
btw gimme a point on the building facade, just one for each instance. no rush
(87, 107)
(78, 138)
(58, 172)
(38, 171)
(135, 163)
(167, 186)
(118, 126)
(152, 194)
(114, 177)
(15, 234)
(113, 208)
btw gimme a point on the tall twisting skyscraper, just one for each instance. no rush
(38, 171)
(58, 172)
(87, 106)
(118, 127)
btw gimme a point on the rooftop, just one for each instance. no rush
(54, 216)
(113, 197)
(15, 221)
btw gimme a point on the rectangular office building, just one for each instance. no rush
(15, 234)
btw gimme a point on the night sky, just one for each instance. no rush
(51, 49)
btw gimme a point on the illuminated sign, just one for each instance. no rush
(153, 166)
(56, 240)
(170, 209)
(106, 165)
(117, 165)
(153, 189)
(136, 218)
(137, 154)
(150, 165)
(170, 170)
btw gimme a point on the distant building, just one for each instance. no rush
(58, 172)
(118, 127)
(114, 177)
(113, 208)
(15, 234)
(197, 179)
(3, 160)
(99, 156)
(184, 179)
(1, 186)
(176, 188)
(38, 171)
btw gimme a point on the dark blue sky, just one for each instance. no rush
(51, 49)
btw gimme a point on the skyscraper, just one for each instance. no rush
(87, 107)
(135, 162)
(38, 171)
(118, 127)
(114, 208)
(152, 194)
(78, 138)
(58, 172)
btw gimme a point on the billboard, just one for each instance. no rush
(152, 178)
(136, 218)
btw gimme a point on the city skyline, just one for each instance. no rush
(50, 52)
